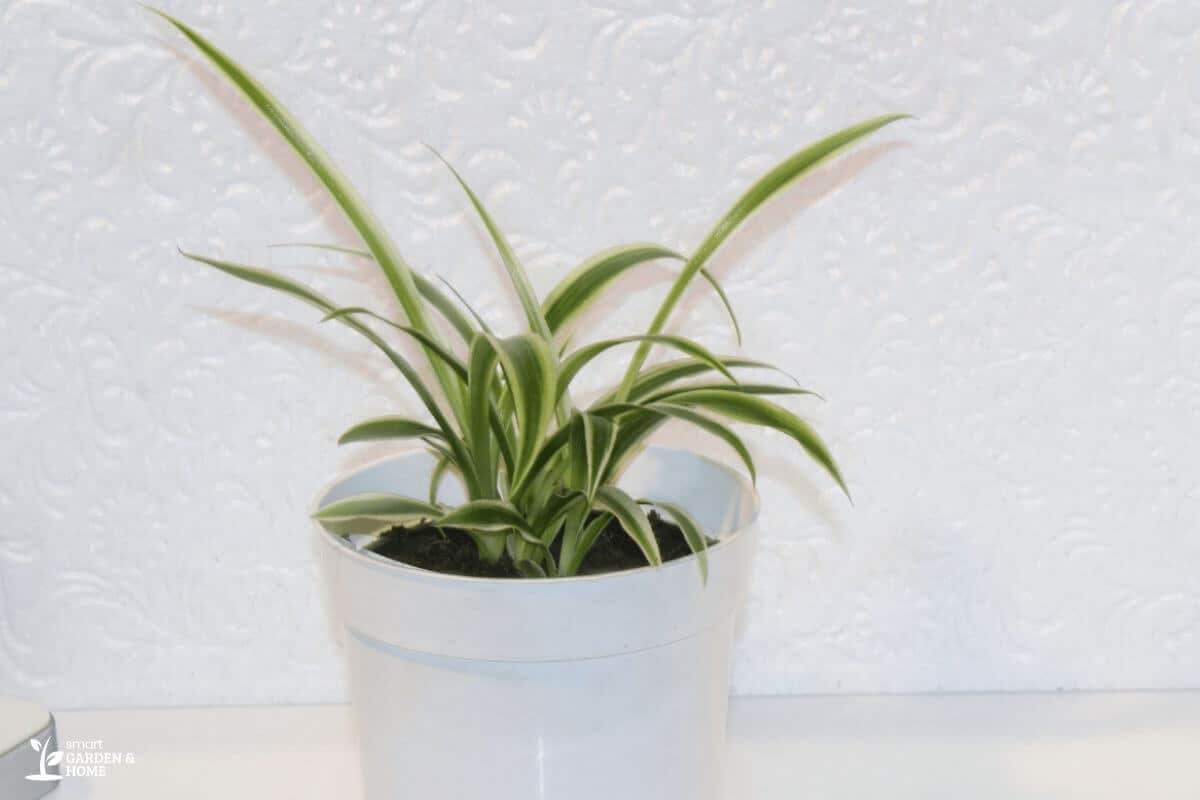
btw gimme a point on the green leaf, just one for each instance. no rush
(759, 192)
(440, 468)
(577, 360)
(387, 428)
(516, 273)
(483, 326)
(576, 291)
(632, 432)
(443, 304)
(591, 445)
(724, 298)
(373, 234)
(481, 368)
(658, 376)
(546, 455)
(583, 285)
(576, 544)
(484, 515)
(287, 286)
(695, 538)
(735, 388)
(756, 411)
(699, 420)
(550, 514)
(392, 508)
(489, 516)
(530, 374)
(633, 520)
(530, 569)
(434, 347)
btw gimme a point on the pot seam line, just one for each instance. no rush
(367, 639)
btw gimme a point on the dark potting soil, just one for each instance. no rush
(451, 550)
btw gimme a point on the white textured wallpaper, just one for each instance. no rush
(1000, 302)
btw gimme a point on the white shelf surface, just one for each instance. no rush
(1119, 745)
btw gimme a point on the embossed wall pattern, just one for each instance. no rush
(1000, 302)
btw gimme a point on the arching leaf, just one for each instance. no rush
(530, 374)
(757, 411)
(633, 520)
(387, 428)
(583, 285)
(696, 540)
(759, 192)
(378, 506)
(516, 273)
(373, 234)
(577, 360)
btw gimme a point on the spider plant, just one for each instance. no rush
(540, 471)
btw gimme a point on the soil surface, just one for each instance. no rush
(451, 550)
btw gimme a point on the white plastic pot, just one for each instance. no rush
(588, 688)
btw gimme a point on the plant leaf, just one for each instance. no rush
(54, 759)
(373, 234)
(36, 745)
(583, 285)
(481, 368)
(550, 514)
(483, 326)
(279, 283)
(378, 506)
(692, 534)
(633, 520)
(549, 450)
(580, 287)
(724, 298)
(576, 551)
(591, 446)
(435, 296)
(735, 388)
(530, 374)
(440, 468)
(435, 347)
(387, 428)
(668, 372)
(757, 411)
(699, 420)
(530, 569)
(489, 516)
(577, 360)
(759, 192)
(516, 273)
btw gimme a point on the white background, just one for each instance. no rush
(1000, 301)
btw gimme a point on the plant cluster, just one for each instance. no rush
(540, 472)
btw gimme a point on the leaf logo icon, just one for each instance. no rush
(48, 759)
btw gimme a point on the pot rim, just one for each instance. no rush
(375, 561)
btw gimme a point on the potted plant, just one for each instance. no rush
(556, 619)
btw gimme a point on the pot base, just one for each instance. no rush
(638, 726)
